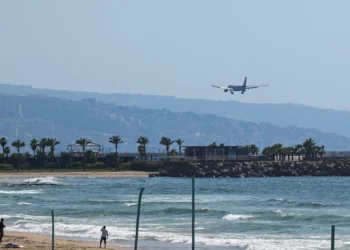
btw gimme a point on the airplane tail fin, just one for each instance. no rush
(245, 83)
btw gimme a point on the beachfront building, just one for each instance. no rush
(77, 150)
(215, 153)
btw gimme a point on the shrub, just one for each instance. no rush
(65, 159)
(76, 164)
(112, 160)
(39, 160)
(98, 165)
(6, 167)
(90, 157)
(137, 165)
(50, 165)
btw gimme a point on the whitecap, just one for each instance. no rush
(24, 203)
(21, 192)
(130, 204)
(49, 180)
(237, 217)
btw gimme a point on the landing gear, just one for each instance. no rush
(242, 92)
(231, 92)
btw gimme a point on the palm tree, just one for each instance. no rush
(213, 144)
(179, 143)
(299, 150)
(268, 151)
(166, 141)
(309, 146)
(322, 151)
(277, 150)
(173, 152)
(290, 152)
(116, 140)
(43, 144)
(143, 141)
(34, 143)
(83, 142)
(254, 149)
(7, 150)
(52, 143)
(18, 144)
(141, 150)
(3, 142)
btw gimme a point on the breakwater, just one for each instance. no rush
(257, 168)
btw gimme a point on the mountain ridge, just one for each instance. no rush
(36, 116)
(288, 114)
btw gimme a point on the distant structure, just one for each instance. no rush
(77, 149)
(338, 154)
(215, 153)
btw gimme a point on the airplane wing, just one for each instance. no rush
(225, 88)
(257, 86)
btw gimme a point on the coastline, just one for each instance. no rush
(126, 174)
(32, 241)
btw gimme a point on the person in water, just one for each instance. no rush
(104, 236)
(2, 226)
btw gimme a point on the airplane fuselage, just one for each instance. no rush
(232, 88)
(241, 88)
(236, 87)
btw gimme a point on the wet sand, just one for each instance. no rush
(35, 241)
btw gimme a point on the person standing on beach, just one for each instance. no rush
(2, 226)
(104, 236)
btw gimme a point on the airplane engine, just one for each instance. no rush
(225, 90)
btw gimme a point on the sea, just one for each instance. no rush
(230, 213)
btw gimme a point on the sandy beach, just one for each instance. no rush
(134, 174)
(35, 241)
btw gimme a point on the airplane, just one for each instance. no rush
(241, 88)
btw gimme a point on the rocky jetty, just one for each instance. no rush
(257, 168)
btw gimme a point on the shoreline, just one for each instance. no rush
(32, 241)
(126, 174)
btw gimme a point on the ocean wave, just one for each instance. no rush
(241, 241)
(299, 204)
(49, 180)
(238, 217)
(179, 210)
(27, 217)
(310, 204)
(130, 204)
(42, 181)
(21, 192)
(24, 203)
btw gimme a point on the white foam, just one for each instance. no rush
(252, 242)
(49, 180)
(24, 203)
(39, 191)
(130, 204)
(237, 217)
(28, 217)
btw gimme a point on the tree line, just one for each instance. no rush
(39, 147)
(308, 149)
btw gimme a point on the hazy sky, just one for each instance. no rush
(181, 47)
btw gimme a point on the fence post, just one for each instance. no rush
(53, 229)
(138, 219)
(332, 238)
(193, 212)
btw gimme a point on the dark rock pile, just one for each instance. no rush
(257, 169)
